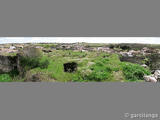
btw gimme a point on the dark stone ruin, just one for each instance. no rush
(46, 51)
(8, 64)
(125, 47)
(151, 60)
(134, 59)
(70, 67)
(111, 46)
(154, 61)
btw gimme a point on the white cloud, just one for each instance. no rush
(149, 40)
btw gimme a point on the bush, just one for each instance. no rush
(134, 72)
(5, 78)
(78, 78)
(30, 57)
(104, 69)
(100, 71)
(44, 64)
(98, 76)
(30, 63)
(14, 73)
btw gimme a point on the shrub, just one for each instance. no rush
(78, 78)
(100, 71)
(104, 68)
(98, 76)
(30, 58)
(44, 64)
(134, 72)
(30, 63)
(5, 78)
(14, 73)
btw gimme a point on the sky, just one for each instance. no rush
(148, 40)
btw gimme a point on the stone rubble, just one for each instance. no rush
(153, 78)
(144, 65)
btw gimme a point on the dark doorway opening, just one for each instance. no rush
(70, 67)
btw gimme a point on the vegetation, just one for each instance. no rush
(134, 72)
(48, 45)
(29, 63)
(92, 66)
(5, 78)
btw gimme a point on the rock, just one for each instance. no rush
(157, 74)
(130, 54)
(5, 68)
(33, 78)
(154, 61)
(145, 49)
(154, 77)
(150, 79)
(39, 47)
(133, 59)
(7, 63)
(30, 76)
(144, 65)
(31, 51)
(12, 47)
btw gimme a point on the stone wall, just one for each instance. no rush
(7, 63)
(153, 60)
(134, 59)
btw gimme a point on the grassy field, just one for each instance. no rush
(92, 67)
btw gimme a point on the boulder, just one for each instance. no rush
(157, 74)
(33, 78)
(144, 65)
(150, 79)
(31, 51)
